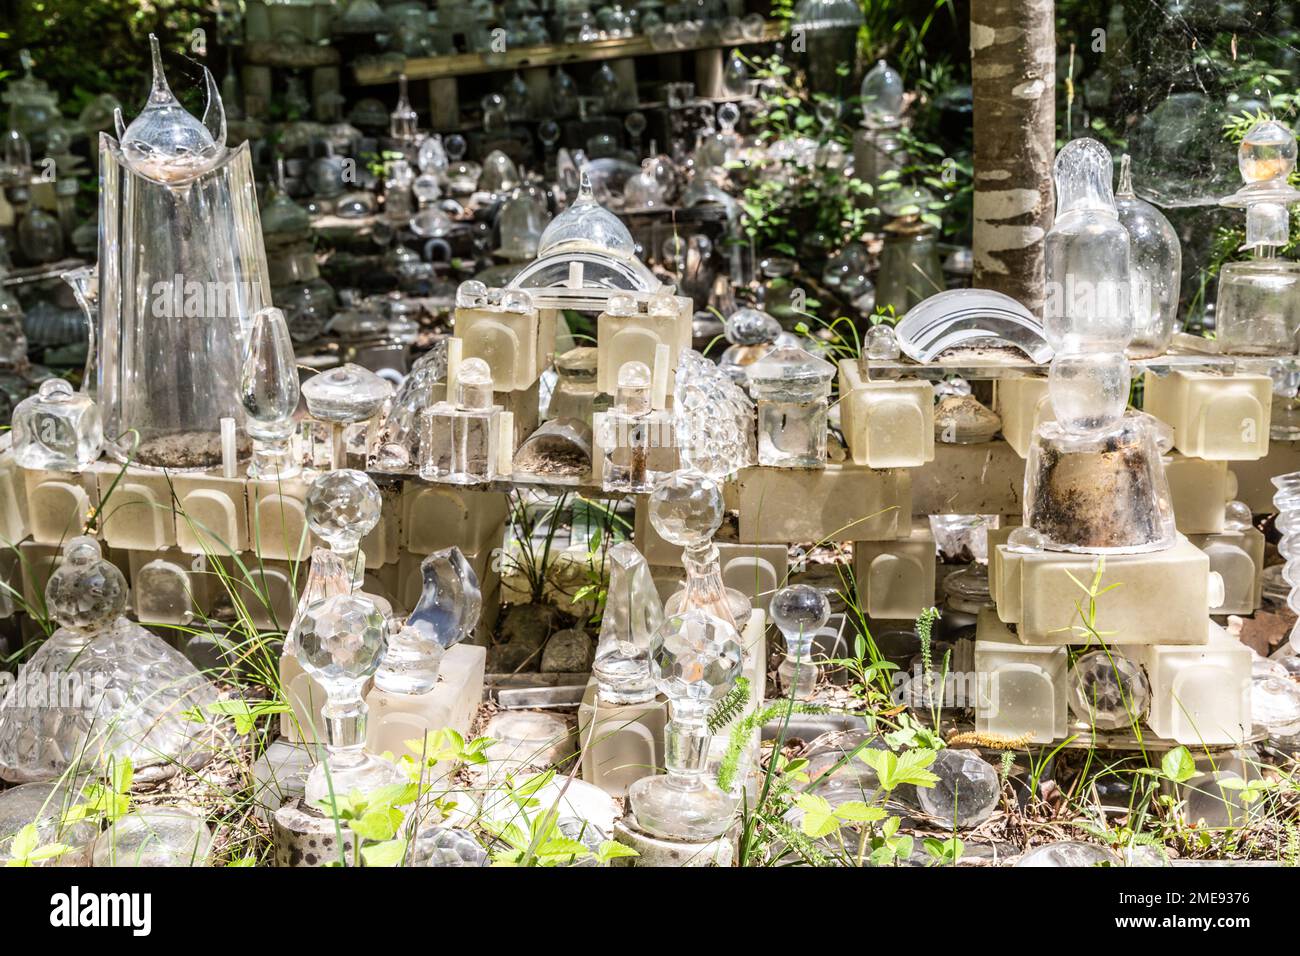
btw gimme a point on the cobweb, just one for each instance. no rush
(1167, 77)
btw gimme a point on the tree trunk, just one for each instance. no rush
(1013, 74)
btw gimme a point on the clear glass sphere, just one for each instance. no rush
(343, 506)
(85, 592)
(800, 609)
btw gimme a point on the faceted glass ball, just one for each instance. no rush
(1108, 692)
(341, 640)
(800, 609)
(86, 592)
(343, 506)
(696, 656)
(1089, 390)
(447, 846)
(967, 791)
(686, 508)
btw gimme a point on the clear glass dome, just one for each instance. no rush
(499, 173)
(587, 226)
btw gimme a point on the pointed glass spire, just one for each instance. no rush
(165, 141)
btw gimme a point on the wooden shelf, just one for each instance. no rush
(377, 72)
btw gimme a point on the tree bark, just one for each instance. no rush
(1013, 79)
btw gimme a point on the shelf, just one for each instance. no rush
(380, 71)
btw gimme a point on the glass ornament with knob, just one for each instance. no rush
(340, 643)
(57, 429)
(268, 390)
(799, 612)
(791, 389)
(1094, 481)
(135, 690)
(1258, 307)
(695, 659)
(343, 506)
(460, 439)
(344, 396)
(629, 432)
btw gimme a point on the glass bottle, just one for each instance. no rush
(1156, 259)
(695, 660)
(268, 389)
(460, 439)
(791, 390)
(404, 121)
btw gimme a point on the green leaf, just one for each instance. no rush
(24, 842)
(818, 817)
(563, 847)
(1178, 765)
(855, 811)
(895, 770)
(610, 850)
(384, 854)
(376, 825)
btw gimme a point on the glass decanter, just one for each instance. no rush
(799, 612)
(630, 430)
(130, 691)
(1094, 481)
(1157, 260)
(791, 389)
(686, 509)
(1258, 307)
(633, 614)
(695, 659)
(268, 390)
(343, 506)
(57, 429)
(340, 643)
(459, 440)
(446, 614)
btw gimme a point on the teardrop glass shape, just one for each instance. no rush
(268, 386)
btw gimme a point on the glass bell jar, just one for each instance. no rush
(1156, 262)
(1094, 480)
(182, 272)
(1258, 307)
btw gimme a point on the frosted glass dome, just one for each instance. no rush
(586, 226)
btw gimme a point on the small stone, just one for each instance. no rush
(967, 791)
(569, 652)
(1069, 853)
(166, 836)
